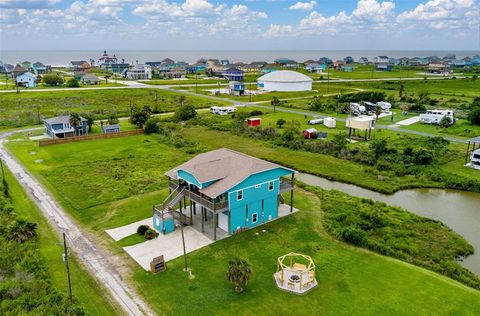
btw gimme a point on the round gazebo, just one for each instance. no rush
(295, 273)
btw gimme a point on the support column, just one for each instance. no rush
(191, 212)
(291, 194)
(194, 208)
(468, 149)
(214, 226)
(185, 202)
(203, 220)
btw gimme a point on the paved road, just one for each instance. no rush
(99, 262)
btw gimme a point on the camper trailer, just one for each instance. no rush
(357, 109)
(385, 106)
(475, 159)
(370, 107)
(315, 120)
(435, 116)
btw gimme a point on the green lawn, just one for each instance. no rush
(85, 289)
(113, 182)
(25, 108)
(350, 281)
(183, 81)
(462, 129)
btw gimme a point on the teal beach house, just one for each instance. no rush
(231, 190)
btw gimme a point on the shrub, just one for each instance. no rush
(281, 122)
(256, 113)
(354, 236)
(142, 229)
(150, 234)
(151, 126)
(445, 122)
(73, 83)
(185, 112)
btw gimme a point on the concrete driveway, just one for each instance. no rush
(170, 246)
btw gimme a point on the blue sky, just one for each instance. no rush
(240, 24)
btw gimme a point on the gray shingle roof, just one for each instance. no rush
(226, 166)
(62, 119)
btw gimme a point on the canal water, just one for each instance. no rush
(459, 210)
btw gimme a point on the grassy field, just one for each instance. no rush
(183, 81)
(85, 289)
(462, 128)
(25, 108)
(114, 182)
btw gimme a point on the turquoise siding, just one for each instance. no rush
(167, 223)
(257, 200)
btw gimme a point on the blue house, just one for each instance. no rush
(235, 191)
(233, 74)
(60, 127)
(27, 80)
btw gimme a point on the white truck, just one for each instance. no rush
(436, 116)
(475, 159)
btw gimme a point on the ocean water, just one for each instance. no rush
(63, 57)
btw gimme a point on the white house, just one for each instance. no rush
(27, 80)
(138, 72)
(436, 116)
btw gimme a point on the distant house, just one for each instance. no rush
(224, 62)
(176, 73)
(233, 74)
(345, 68)
(153, 63)
(381, 59)
(348, 60)
(105, 61)
(79, 65)
(325, 60)
(314, 67)
(60, 127)
(250, 68)
(8, 69)
(437, 68)
(18, 70)
(2, 67)
(118, 68)
(337, 64)
(27, 80)
(138, 72)
(89, 79)
(27, 65)
(384, 67)
(39, 68)
(214, 70)
(363, 61)
(168, 61)
(107, 129)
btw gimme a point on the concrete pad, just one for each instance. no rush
(38, 137)
(409, 121)
(127, 230)
(170, 246)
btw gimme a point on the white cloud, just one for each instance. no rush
(276, 30)
(307, 6)
(373, 10)
(27, 4)
(442, 14)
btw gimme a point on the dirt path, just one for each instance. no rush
(101, 264)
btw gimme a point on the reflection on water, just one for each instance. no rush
(459, 210)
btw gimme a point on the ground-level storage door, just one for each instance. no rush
(223, 221)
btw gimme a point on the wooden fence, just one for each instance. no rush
(47, 142)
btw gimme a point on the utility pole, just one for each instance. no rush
(328, 78)
(65, 258)
(183, 242)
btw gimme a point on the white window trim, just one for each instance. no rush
(256, 221)
(239, 192)
(272, 184)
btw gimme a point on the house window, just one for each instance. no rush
(239, 195)
(271, 186)
(254, 218)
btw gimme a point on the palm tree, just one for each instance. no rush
(75, 121)
(239, 272)
(378, 111)
(275, 102)
(90, 121)
(21, 230)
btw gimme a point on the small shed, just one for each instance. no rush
(90, 79)
(114, 128)
(255, 121)
(330, 122)
(310, 133)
